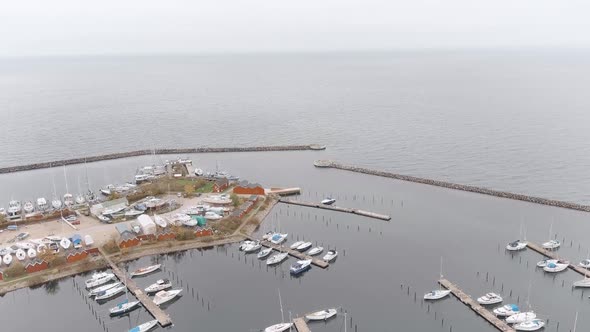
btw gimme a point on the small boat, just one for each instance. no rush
(516, 245)
(159, 285)
(531, 325)
(53, 238)
(56, 203)
(279, 327)
(65, 243)
(328, 201)
(521, 317)
(28, 207)
(99, 280)
(145, 326)
(68, 199)
(276, 259)
(212, 216)
(437, 294)
(315, 251)
(32, 253)
(246, 244)
(20, 255)
(14, 209)
(556, 267)
(7, 259)
(80, 199)
(296, 244)
(304, 246)
(262, 254)
(160, 221)
(42, 204)
(322, 314)
(585, 264)
(252, 247)
(300, 267)
(330, 255)
(104, 218)
(145, 270)
(25, 245)
(490, 298)
(279, 238)
(166, 296)
(22, 236)
(544, 262)
(132, 213)
(42, 248)
(54, 247)
(551, 244)
(198, 172)
(109, 293)
(267, 235)
(115, 210)
(103, 288)
(5, 251)
(507, 310)
(124, 307)
(584, 283)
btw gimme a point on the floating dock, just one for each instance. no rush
(147, 302)
(553, 255)
(297, 254)
(301, 325)
(337, 208)
(476, 307)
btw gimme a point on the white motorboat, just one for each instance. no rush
(531, 325)
(328, 201)
(110, 293)
(7, 259)
(14, 209)
(304, 246)
(133, 213)
(145, 326)
(56, 203)
(32, 253)
(278, 327)
(68, 199)
(22, 236)
(556, 267)
(490, 298)
(124, 307)
(145, 270)
(104, 218)
(107, 191)
(246, 244)
(140, 178)
(210, 215)
(315, 251)
(159, 285)
(65, 243)
(276, 259)
(182, 218)
(544, 262)
(278, 238)
(115, 210)
(28, 207)
(42, 204)
(198, 172)
(507, 310)
(585, 264)
(80, 199)
(262, 254)
(267, 235)
(160, 221)
(296, 244)
(322, 314)
(166, 296)
(103, 288)
(99, 279)
(20, 254)
(300, 267)
(521, 317)
(330, 255)
(437, 294)
(516, 245)
(253, 247)
(552, 244)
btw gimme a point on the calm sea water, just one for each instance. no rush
(513, 120)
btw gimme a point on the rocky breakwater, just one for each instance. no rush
(455, 186)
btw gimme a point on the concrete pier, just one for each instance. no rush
(337, 208)
(475, 306)
(301, 325)
(147, 302)
(553, 255)
(297, 254)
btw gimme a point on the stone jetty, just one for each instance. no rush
(454, 186)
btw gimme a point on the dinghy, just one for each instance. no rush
(160, 221)
(166, 296)
(159, 285)
(100, 280)
(296, 244)
(531, 325)
(278, 327)
(507, 310)
(20, 255)
(300, 267)
(124, 307)
(276, 259)
(328, 201)
(103, 288)
(516, 245)
(315, 251)
(145, 270)
(556, 267)
(437, 294)
(262, 254)
(552, 244)
(109, 293)
(330, 255)
(32, 253)
(145, 326)
(279, 238)
(490, 298)
(65, 243)
(7, 259)
(521, 317)
(322, 315)
(304, 246)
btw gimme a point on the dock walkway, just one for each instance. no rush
(553, 255)
(301, 325)
(147, 302)
(476, 307)
(337, 208)
(297, 254)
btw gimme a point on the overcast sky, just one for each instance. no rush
(50, 27)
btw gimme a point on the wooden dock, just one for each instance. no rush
(297, 254)
(301, 325)
(476, 307)
(553, 255)
(145, 300)
(337, 208)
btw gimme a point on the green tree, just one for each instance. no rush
(235, 199)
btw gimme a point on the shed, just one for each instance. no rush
(148, 226)
(76, 240)
(88, 240)
(220, 185)
(247, 188)
(124, 229)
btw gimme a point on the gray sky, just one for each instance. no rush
(49, 27)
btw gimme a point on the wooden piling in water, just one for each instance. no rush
(475, 306)
(337, 208)
(553, 255)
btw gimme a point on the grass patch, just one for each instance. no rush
(111, 246)
(15, 270)
(184, 234)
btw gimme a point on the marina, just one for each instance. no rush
(336, 208)
(553, 255)
(295, 253)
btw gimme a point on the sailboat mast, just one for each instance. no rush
(66, 178)
(345, 321)
(281, 303)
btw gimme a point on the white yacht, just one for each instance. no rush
(544, 262)
(166, 296)
(56, 203)
(315, 251)
(68, 200)
(330, 255)
(507, 310)
(558, 266)
(42, 204)
(159, 285)
(437, 294)
(304, 246)
(296, 244)
(531, 325)
(28, 207)
(521, 317)
(145, 326)
(279, 238)
(552, 244)
(490, 298)
(262, 254)
(516, 245)
(14, 209)
(328, 201)
(276, 259)
(80, 199)
(322, 314)
(585, 264)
